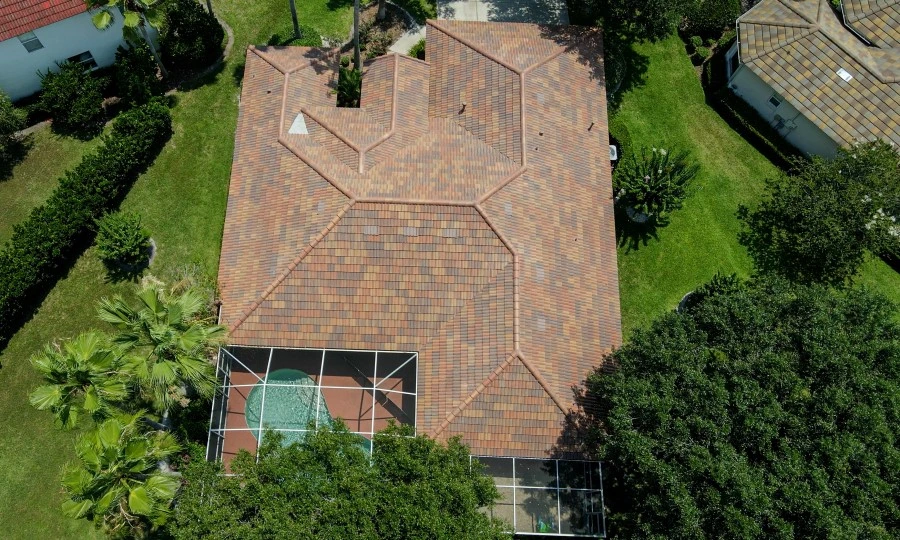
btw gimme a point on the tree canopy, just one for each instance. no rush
(763, 410)
(328, 487)
(819, 222)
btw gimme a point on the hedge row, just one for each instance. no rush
(54, 233)
(755, 129)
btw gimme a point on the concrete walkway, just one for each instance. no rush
(529, 11)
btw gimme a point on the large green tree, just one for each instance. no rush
(818, 223)
(137, 16)
(763, 410)
(327, 487)
(168, 341)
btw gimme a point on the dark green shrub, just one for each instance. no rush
(696, 41)
(708, 18)
(702, 54)
(654, 183)
(73, 99)
(309, 37)
(121, 240)
(754, 128)
(345, 61)
(418, 50)
(135, 75)
(349, 87)
(378, 44)
(191, 37)
(11, 121)
(54, 233)
(727, 38)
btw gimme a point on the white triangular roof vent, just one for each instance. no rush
(298, 127)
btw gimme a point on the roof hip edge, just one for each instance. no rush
(291, 267)
(474, 47)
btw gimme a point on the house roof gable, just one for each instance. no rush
(20, 16)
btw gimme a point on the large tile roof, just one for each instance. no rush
(20, 16)
(464, 211)
(798, 48)
(876, 20)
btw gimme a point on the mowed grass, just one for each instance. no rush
(35, 177)
(181, 199)
(669, 111)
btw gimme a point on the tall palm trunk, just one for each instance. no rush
(153, 51)
(209, 7)
(356, 60)
(294, 17)
(382, 10)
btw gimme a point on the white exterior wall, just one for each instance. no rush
(61, 40)
(805, 135)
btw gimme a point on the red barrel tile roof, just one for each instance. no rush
(464, 211)
(20, 16)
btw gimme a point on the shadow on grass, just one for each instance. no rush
(15, 154)
(334, 5)
(633, 236)
(192, 83)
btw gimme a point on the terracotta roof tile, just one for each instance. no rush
(474, 235)
(20, 16)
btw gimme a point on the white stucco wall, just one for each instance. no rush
(806, 136)
(61, 40)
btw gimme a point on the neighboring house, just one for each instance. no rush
(443, 256)
(816, 81)
(35, 35)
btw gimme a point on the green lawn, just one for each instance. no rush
(34, 178)
(182, 201)
(668, 111)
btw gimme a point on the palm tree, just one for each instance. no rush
(294, 18)
(137, 14)
(167, 341)
(85, 373)
(382, 10)
(356, 60)
(117, 481)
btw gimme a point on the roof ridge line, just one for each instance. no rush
(412, 202)
(799, 14)
(515, 254)
(393, 127)
(291, 267)
(536, 373)
(353, 146)
(482, 386)
(869, 63)
(318, 170)
(807, 26)
(474, 47)
(503, 183)
(785, 43)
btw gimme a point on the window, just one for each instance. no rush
(775, 100)
(31, 42)
(86, 59)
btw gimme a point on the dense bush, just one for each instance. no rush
(654, 183)
(349, 87)
(122, 240)
(696, 41)
(48, 239)
(766, 411)
(74, 99)
(727, 37)
(309, 37)
(708, 18)
(191, 37)
(135, 75)
(326, 486)
(418, 50)
(11, 121)
(817, 224)
(701, 55)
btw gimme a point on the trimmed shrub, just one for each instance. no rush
(654, 183)
(378, 44)
(708, 18)
(619, 131)
(191, 38)
(418, 50)
(309, 37)
(55, 232)
(121, 240)
(135, 75)
(702, 54)
(727, 38)
(74, 99)
(696, 41)
(349, 88)
(11, 121)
